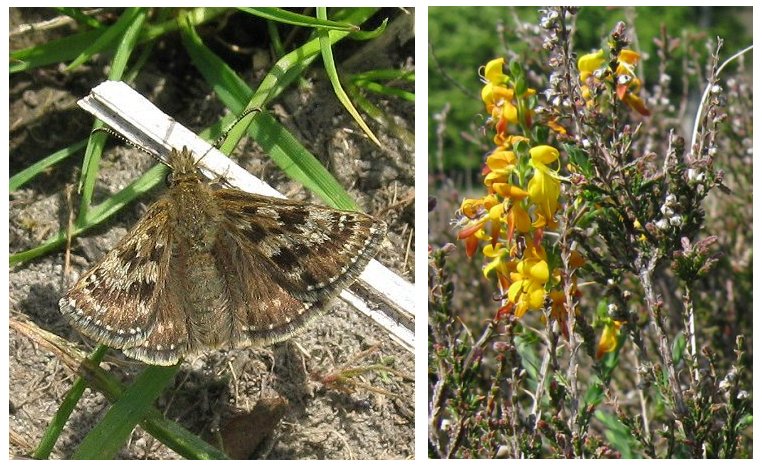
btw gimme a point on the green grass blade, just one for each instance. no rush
(77, 15)
(171, 434)
(97, 214)
(110, 434)
(56, 425)
(276, 42)
(127, 44)
(90, 164)
(57, 51)
(284, 16)
(375, 113)
(370, 79)
(285, 150)
(196, 16)
(369, 35)
(284, 72)
(95, 147)
(100, 213)
(385, 74)
(110, 35)
(333, 76)
(168, 432)
(70, 47)
(21, 178)
(179, 439)
(389, 91)
(48, 246)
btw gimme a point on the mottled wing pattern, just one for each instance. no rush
(167, 342)
(272, 264)
(113, 302)
(286, 260)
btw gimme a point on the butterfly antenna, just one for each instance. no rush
(224, 135)
(125, 140)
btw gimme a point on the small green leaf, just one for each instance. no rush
(540, 133)
(745, 422)
(333, 77)
(520, 85)
(368, 35)
(515, 69)
(594, 394)
(579, 159)
(617, 434)
(678, 348)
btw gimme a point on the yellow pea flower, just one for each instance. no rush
(545, 185)
(527, 290)
(609, 338)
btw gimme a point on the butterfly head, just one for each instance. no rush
(183, 167)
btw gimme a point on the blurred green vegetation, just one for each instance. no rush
(461, 39)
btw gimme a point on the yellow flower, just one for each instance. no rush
(545, 186)
(527, 290)
(609, 338)
(627, 61)
(509, 191)
(501, 164)
(470, 207)
(588, 63)
(478, 210)
(496, 95)
(498, 100)
(518, 218)
(558, 309)
(627, 83)
(471, 235)
(493, 71)
(507, 141)
(501, 262)
(555, 126)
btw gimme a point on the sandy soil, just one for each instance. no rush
(370, 421)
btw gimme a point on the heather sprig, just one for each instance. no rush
(596, 229)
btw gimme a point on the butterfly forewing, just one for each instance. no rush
(316, 250)
(113, 302)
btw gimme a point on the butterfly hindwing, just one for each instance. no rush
(168, 340)
(261, 310)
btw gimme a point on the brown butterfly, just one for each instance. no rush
(207, 268)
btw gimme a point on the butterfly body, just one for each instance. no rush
(207, 268)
